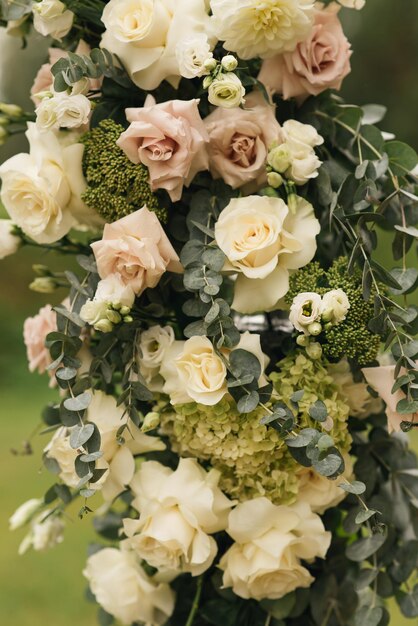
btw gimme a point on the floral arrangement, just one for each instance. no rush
(235, 371)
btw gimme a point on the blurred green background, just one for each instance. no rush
(43, 589)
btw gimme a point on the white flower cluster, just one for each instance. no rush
(63, 111)
(111, 304)
(309, 311)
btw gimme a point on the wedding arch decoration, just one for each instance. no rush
(235, 366)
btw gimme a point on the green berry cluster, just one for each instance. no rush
(351, 338)
(116, 186)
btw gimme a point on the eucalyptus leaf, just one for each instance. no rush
(79, 403)
(80, 435)
(362, 549)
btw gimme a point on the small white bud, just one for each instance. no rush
(11, 109)
(104, 326)
(210, 64)
(229, 63)
(315, 329)
(24, 513)
(274, 179)
(43, 285)
(151, 422)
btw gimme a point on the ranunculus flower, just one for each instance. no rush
(382, 379)
(137, 248)
(145, 34)
(63, 111)
(42, 190)
(9, 243)
(170, 139)
(270, 541)
(121, 586)
(51, 17)
(239, 141)
(320, 62)
(153, 345)
(193, 371)
(261, 29)
(305, 309)
(117, 459)
(263, 241)
(178, 511)
(226, 91)
(35, 331)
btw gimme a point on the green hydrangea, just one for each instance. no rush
(351, 338)
(115, 186)
(253, 459)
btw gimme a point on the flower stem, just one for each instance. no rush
(196, 601)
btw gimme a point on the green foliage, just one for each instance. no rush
(352, 337)
(116, 186)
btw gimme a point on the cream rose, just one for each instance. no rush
(192, 53)
(42, 190)
(121, 586)
(117, 459)
(263, 241)
(178, 511)
(9, 243)
(320, 492)
(320, 62)
(306, 308)
(239, 141)
(145, 35)
(170, 139)
(361, 402)
(63, 111)
(270, 541)
(226, 91)
(137, 248)
(46, 531)
(51, 17)
(335, 306)
(382, 379)
(261, 29)
(153, 346)
(193, 371)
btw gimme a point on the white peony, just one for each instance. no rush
(263, 241)
(226, 91)
(45, 533)
(191, 53)
(42, 190)
(63, 111)
(153, 345)
(335, 306)
(124, 590)
(193, 371)
(51, 17)
(117, 459)
(9, 243)
(24, 513)
(145, 34)
(178, 511)
(270, 541)
(261, 29)
(306, 308)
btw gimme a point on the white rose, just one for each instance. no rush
(46, 532)
(263, 241)
(304, 134)
(117, 459)
(335, 306)
(63, 111)
(153, 345)
(306, 308)
(178, 511)
(124, 590)
(320, 492)
(270, 541)
(252, 28)
(191, 54)
(51, 17)
(226, 91)
(145, 35)
(42, 190)
(352, 4)
(9, 243)
(24, 513)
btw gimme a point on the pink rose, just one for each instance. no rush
(44, 79)
(35, 330)
(382, 379)
(170, 139)
(137, 248)
(320, 62)
(239, 141)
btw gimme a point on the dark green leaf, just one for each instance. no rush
(402, 158)
(362, 549)
(368, 616)
(248, 403)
